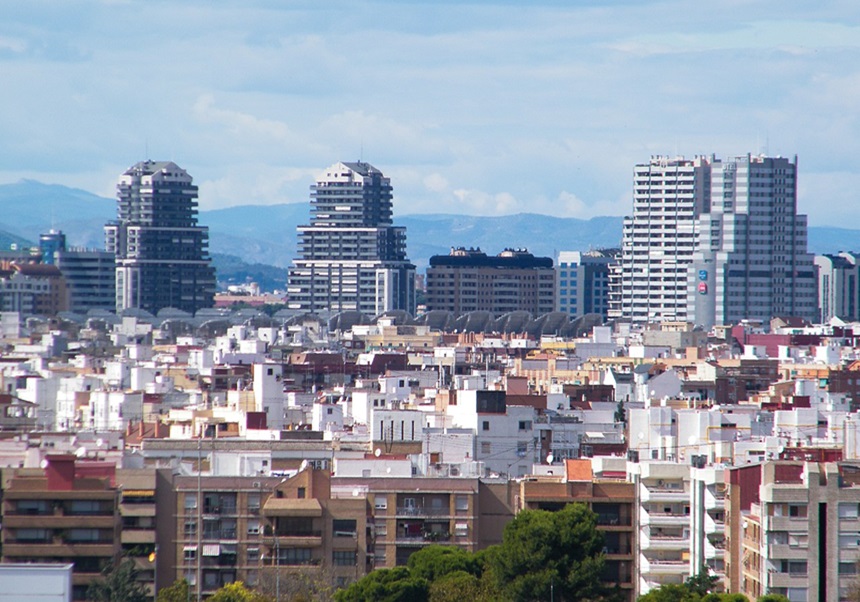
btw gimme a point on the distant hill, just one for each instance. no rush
(266, 234)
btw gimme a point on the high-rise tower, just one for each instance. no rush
(715, 241)
(351, 257)
(162, 257)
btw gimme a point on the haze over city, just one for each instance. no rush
(481, 108)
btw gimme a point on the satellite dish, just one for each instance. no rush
(303, 465)
(377, 452)
(81, 452)
(100, 442)
(355, 492)
(43, 464)
(550, 458)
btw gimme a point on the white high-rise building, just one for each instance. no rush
(659, 239)
(715, 241)
(351, 256)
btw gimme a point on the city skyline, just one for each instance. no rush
(478, 109)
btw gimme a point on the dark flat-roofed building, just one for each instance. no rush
(469, 280)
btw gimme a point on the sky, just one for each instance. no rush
(479, 108)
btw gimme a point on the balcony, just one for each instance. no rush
(665, 567)
(613, 520)
(662, 519)
(665, 543)
(420, 511)
(664, 494)
(422, 539)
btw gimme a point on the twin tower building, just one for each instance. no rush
(350, 258)
(710, 241)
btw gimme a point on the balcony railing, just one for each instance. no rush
(413, 511)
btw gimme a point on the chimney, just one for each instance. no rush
(60, 472)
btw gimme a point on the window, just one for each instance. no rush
(486, 425)
(190, 501)
(302, 492)
(848, 510)
(189, 553)
(485, 447)
(525, 425)
(32, 536)
(797, 510)
(381, 530)
(380, 502)
(344, 558)
(253, 555)
(190, 526)
(343, 527)
(462, 502)
(294, 556)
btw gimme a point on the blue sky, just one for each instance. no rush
(480, 108)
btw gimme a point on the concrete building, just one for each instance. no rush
(659, 239)
(162, 257)
(315, 530)
(32, 289)
(838, 286)
(714, 242)
(608, 495)
(469, 280)
(751, 261)
(351, 257)
(90, 273)
(583, 281)
(793, 529)
(66, 513)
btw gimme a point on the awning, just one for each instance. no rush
(211, 549)
(292, 507)
(189, 548)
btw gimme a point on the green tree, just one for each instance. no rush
(458, 586)
(386, 585)
(772, 598)
(434, 562)
(237, 592)
(671, 592)
(703, 582)
(547, 555)
(118, 584)
(178, 592)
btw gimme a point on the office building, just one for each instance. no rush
(838, 286)
(351, 257)
(715, 241)
(90, 274)
(583, 281)
(469, 280)
(162, 257)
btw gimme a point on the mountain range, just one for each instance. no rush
(266, 234)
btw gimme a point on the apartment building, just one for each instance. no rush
(469, 280)
(793, 529)
(351, 256)
(68, 512)
(212, 532)
(162, 256)
(714, 241)
(315, 530)
(608, 494)
(411, 513)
